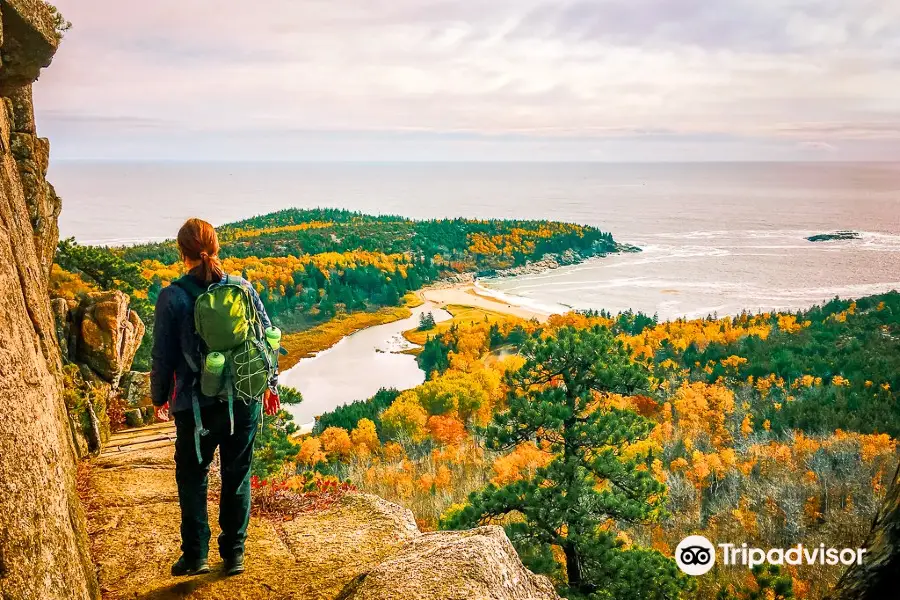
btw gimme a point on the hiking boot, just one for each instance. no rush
(235, 565)
(186, 566)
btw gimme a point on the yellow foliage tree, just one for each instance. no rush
(446, 429)
(310, 452)
(701, 409)
(365, 435)
(405, 417)
(519, 463)
(336, 443)
(455, 392)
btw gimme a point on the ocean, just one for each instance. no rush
(717, 237)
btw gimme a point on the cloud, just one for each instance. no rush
(818, 146)
(769, 72)
(861, 130)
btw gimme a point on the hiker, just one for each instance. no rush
(215, 373)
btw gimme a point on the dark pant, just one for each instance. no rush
(235, 455)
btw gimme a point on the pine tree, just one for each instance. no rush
(553, 403)
(274, 446)
(769, 583)
(426, 321)
(100, 265)
(434, 356)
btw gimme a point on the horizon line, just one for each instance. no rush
(461, 161)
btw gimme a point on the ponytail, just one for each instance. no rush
(197, 241)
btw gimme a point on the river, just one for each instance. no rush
(357, 367)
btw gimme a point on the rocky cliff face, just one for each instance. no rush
(877, 578)
(43, 542)
(32, 154)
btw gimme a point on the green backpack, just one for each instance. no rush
(235, 358)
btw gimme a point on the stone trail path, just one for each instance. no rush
(160, 435)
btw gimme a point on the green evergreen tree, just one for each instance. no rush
(434, 356)
(553, 403)
(100, 265)
(349, 415)
(426, 321)
(273, 446)
(391, 296)
(771, 584)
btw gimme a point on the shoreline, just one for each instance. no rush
(320, 340)
(470, 294)
(465, 289)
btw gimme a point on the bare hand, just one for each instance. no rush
(271, 403)
(162, 412)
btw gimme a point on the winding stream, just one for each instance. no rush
(357, 367)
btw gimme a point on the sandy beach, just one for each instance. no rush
(468, 294)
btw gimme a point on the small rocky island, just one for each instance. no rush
(836, 236)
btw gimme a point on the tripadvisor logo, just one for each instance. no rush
(696, 555)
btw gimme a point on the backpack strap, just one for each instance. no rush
(199, 429)
(189, 285)
(252, 312)
(229, 384)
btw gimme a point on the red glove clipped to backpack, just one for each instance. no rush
(162, 412)
(271, 402)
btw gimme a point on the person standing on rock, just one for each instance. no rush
(211, 369)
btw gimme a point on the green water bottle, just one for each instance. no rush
(273, 336)
(211, 378)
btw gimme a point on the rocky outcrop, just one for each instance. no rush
(28, 45)
(99, 335)
(109, 334)
(356, 547)
(453, 565)
(43, 542)
(135, 389)
(29, 42)
(836, 236)
(99, 331)
(877, 577)
(59, 307)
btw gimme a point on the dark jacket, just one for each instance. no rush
(171, 379)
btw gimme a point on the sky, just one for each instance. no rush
(475, 80)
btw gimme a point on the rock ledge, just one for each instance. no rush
(359, 548)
